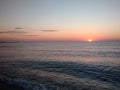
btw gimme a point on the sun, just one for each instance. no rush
(89, 40)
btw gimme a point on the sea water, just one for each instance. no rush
(61, 65)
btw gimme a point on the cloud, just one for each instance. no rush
(30, 35)
(50, 30)
(18, 28)
(12, 32)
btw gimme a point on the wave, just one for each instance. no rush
(53, 75)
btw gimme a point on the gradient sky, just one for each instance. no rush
(59, 20)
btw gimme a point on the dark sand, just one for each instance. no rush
(4, 86)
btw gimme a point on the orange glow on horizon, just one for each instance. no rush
(34, 36)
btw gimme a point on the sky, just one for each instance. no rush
(59, 20)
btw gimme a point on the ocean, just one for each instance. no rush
(61, 65)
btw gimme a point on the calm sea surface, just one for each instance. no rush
(61, 65)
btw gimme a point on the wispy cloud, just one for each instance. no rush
(18, 28)
(15, 30)
(30, 35)
(11, 32)
(50, 30)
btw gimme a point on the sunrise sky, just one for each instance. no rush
(59, 20)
